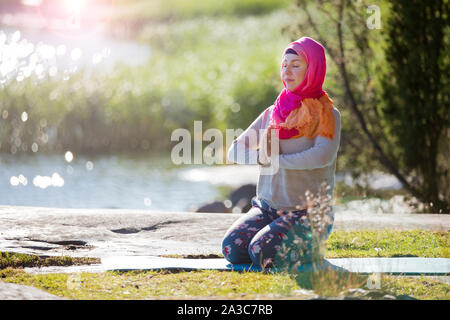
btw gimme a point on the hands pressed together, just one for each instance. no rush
(265, 150)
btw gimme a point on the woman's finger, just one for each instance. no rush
(269, 133)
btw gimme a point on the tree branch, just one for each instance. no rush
(353, 104)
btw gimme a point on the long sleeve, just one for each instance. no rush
(243, 150)
(320, 155)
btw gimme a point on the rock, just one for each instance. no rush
(240, 201)
(216, 206)
(405, 297)
(389, 297)
(307, 294)
(11, 291)
(101, 232)
(242, 196)
(361, 294)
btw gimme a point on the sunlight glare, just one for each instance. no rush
(68, 156)
(147, 202)
(32, 3)
(89, 165)
(45, 181)
(74, 5)
(76, 54)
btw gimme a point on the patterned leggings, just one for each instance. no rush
(258, 236)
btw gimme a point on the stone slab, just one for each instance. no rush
(100, 232)
(11, 291)
(395, 266)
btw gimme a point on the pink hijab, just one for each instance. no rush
(311, 87)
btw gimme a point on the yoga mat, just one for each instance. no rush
(399, 266)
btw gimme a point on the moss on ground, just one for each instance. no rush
(20, 260)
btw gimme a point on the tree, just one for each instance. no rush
(357, 57)
(416, 92)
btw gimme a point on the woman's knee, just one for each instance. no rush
(238, 236)
(263, 248)
(270, 246)
(261, 256)
(234, 249)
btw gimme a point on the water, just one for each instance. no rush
(139, 182)
(101, 182)
(114, 182)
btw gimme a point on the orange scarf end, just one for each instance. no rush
(313, 117)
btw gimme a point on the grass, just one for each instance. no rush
(19, 260)
(245, 285)
(213, 284)
(388, 243)
(193, 73)
(422, 287)
(138, 285)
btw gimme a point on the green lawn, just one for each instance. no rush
(214, 284)
(388, 243)
(245, 285)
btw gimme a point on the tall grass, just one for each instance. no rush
(302, 252)
(221, 71)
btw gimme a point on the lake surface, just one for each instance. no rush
(133, 182)
(114, 182)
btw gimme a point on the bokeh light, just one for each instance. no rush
(89, 165)
(147, 202)
(45, 181)
(68, 156)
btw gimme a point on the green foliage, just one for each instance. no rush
(370, 64)
(188, 77)
(416, 91)
(20, 260)
(362, 57)
(16, 259)
(344, 193)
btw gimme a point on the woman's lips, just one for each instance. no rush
(289, 80)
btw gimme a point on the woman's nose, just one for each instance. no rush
(287, 71)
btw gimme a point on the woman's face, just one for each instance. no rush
(293, 70)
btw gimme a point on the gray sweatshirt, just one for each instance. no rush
(303, 163)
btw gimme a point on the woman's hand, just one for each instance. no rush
(269, 139)
(265, 149)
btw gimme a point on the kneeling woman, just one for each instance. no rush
(306, 128)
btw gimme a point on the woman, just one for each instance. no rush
(307, 134)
